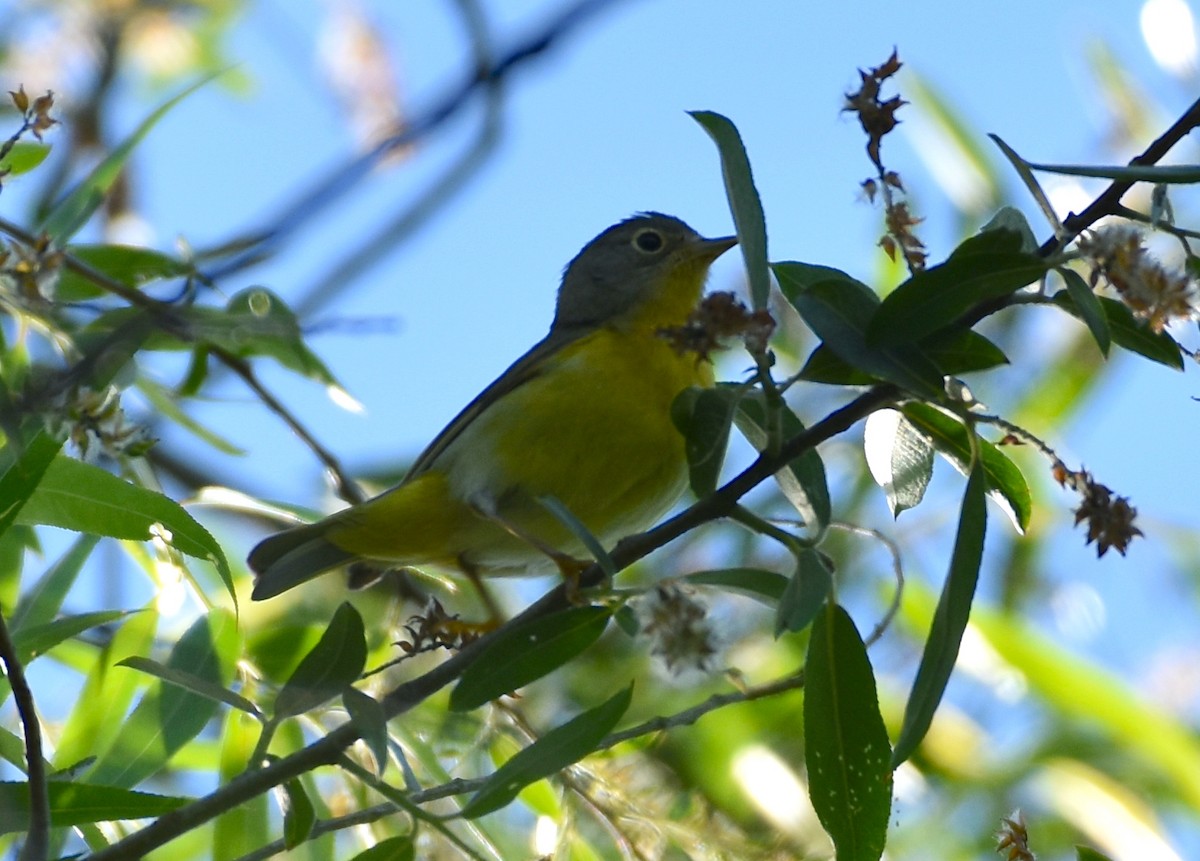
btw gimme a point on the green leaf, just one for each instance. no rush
(298, 814)
(1129, 332)
(554, 751)
(527, 652)
(1012, 220)
(899, 457)
(1007, 485)
(331, 666)
(577, 527)
(744, 203)
(1088, 307)
(1188, 174)
(949, 621)
(1087, 853)
(73, 211)
(35, 640)
(79, 803)
(393, 849)
(954, 352)
(42, 602)
(805, 593)
(766, 586)
(128, 264)
(247, 827)
(825, 366)
(846, 743)
(23, 157)
(704, 417)
(166, 405)
(168, 717)
(803, 480)
(190, 682)
(1030, 181)
(367, 716)
(21, 470)
(935, 298)
(839, 309)
(85, 498)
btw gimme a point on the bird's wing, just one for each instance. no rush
(517, 374)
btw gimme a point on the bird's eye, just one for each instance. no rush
(648, 241)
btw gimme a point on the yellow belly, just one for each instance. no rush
(592, 430)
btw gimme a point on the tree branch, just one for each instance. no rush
(37, 841)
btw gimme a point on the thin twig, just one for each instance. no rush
(37, 840)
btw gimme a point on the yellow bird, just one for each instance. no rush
(583, 417)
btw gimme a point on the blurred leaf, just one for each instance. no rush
(298, 814)
(899, 457)
(845, 741)
(77, 803)
(73, 211)
(577, 527)
(168, 717)
(805, 593)
(190, 682)
(1012, 220)
(766, 586)
(99, 711)
(85, 498)
(35, 640)
(803, 481)
(527, 652)
(949, 621)
(1086, 853)
(245, 828)
(554, 751)
(21, 469)
(166, 405)
(1168, 173)
(1088, 308)
(331, 666)
(41, 603)
(1031, 184)
(935, 298)
(704, 417)
(23, 157)
(128, 264)
(393, 849)
(12, 750)
(839, 309)
(14, 541)
(1129, 332)
(744, 203)
(367, 716)
(1006, 483)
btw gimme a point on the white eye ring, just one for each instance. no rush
(649, 241)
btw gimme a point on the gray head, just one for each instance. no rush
(617, 270)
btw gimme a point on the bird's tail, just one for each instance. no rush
(293, 557)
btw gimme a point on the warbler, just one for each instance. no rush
(584, 418)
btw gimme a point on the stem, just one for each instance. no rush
(37, 841)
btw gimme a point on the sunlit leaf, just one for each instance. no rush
(41, 603)
(189, 682)
(554, 751)
(899, 457)
(130, 265)
(949, 621)
(527, 652)
(22, 157)
(77, 803)
(35, 640)
(846, 743)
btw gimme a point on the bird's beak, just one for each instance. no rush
(711, 249)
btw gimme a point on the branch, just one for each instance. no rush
(37, 843)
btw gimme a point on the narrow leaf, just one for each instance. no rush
(1187, 174)
(1035, 189)
(899, 457)
(130, 265)
(846, 743)
(331, 666)
(766, 586)
(367, 716)
(74, 804)
(298, 814)
(399, 848)
(527, 652)
(168, 717)
(85, 498)
(1087, 853)
(803, 480)
(42, 602)
(73, 211)
(579, 529)
(744, 202)
(704, 417)
(805, 594)
(1129, 332)
(35, 640)
(839, 310)
(935, 298)
(190, 682)
(554, 751)
(949, 620)
(1088, 308)
(1007, 484)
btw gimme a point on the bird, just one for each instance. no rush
(583, 418)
